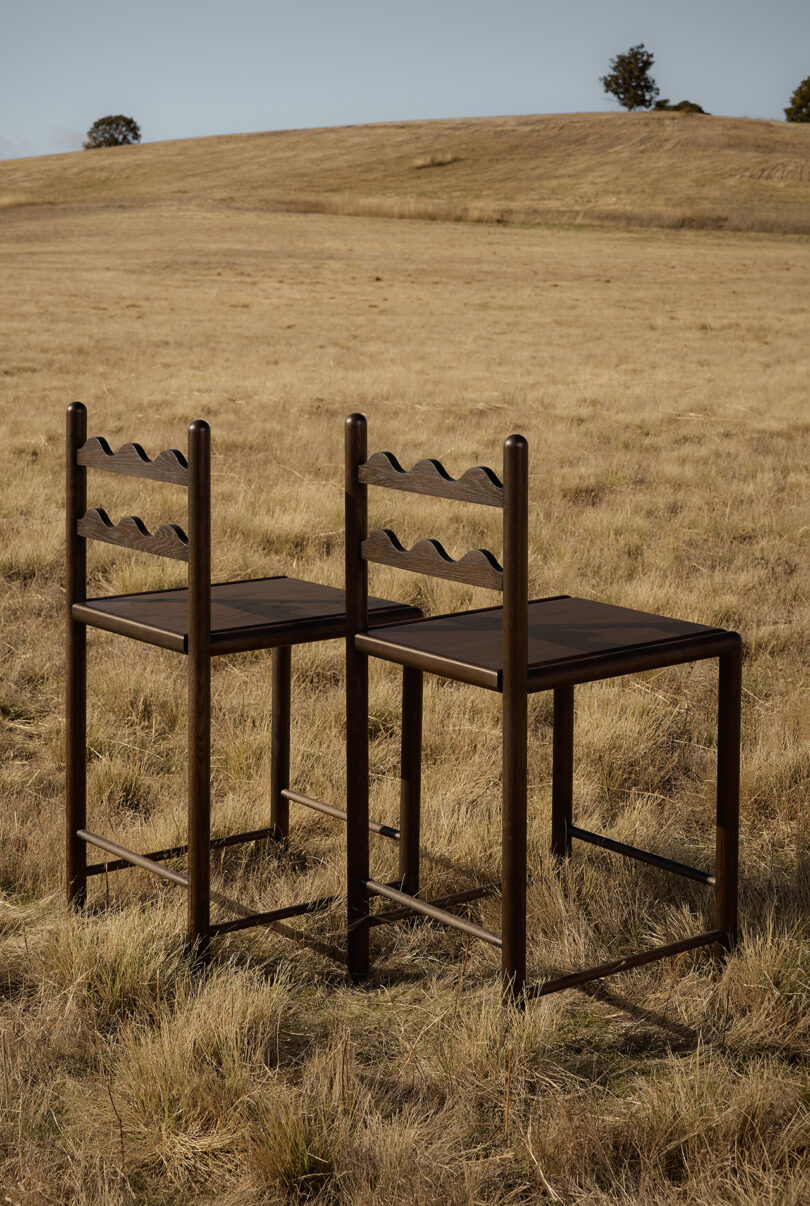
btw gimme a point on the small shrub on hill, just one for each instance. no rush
(439, 160)
(684, 106)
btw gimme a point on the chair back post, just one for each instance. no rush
(515, 674)
(726, 865)
(76, 668)
(199, 683)
(357, 844)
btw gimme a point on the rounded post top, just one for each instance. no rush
(516, 455)
(75, 427)
(355, 440)
(515, 473)
(197, 427)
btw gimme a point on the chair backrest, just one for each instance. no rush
(170, 540)
(478, 567)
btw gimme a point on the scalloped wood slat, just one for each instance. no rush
(478, 567)
(131, 533)
(168, 466)
(477, 485)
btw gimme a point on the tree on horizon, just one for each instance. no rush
(630, 80)
(115, 130)
(799, 107)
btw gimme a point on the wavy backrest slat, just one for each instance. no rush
(168, 466)
(131, 533)
(477, 485)
(478, 567)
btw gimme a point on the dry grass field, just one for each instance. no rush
(661, 377)
(640, 169)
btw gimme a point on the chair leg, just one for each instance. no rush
(357, 844)
(75, 762)
(513, 864)
(280, 744)
(411, 780)
(199, 802)
(728, 794)
(562, 775)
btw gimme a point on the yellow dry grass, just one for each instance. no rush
(662, 380)
(636, 169)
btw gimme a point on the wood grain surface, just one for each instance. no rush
(257, 613)
(569, 639)
(168, 466)
(477, 485)
(477, 567)
(131, 533)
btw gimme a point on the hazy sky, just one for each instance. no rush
(187, 68)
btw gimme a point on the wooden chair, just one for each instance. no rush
(521, 647)
(200, 621)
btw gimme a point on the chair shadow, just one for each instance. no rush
(688, 1037)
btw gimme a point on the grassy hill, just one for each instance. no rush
(640, 169)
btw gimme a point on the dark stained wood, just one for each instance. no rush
(357, 774)
(145, 863)
(548, 644)
(440, 902)
(272, 915)
(136, 860)
(728, 793)
(331, 810)
(259, 613)
(515, 693)
(76, 657)
(570, 640)
(158, 856)
(477, 567)
(620, 965)
(199, 620)
(199, 686)
(642, 856)
(410, 789)
(131, 533)
(168, 466)
(630, 661)
(562, 773)
(280, 743)
(477, 485)
(430, 910)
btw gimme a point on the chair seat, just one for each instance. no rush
(570, 641)
(259, 613)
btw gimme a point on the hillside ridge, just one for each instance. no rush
(640, 169)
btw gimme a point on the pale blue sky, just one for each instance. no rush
(187, 68)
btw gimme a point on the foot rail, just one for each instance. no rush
(374, 888)
(146, 862)
(643, 856)
(159, 856)
(440, 903)
(332, 810)
(619, 965)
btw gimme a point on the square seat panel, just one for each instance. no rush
(570, 641)
(259, 613)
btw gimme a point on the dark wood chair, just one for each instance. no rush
(200, 620)
(520, 647)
